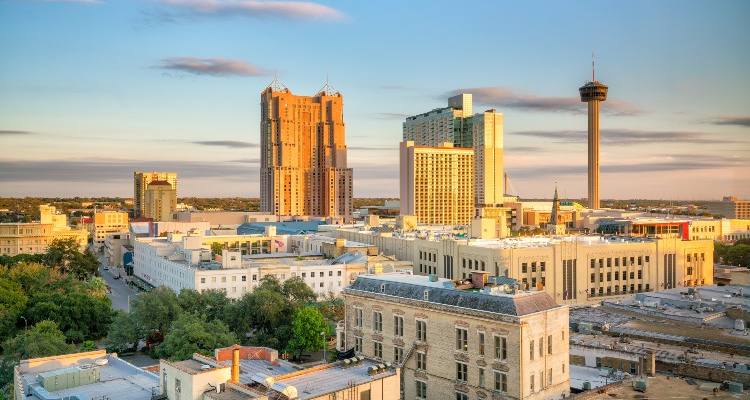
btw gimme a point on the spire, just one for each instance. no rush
(275, 85)
(593, 69)
(553, 219)
(327, 89)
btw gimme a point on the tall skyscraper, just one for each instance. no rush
(303, 167)
(593, 93)
(141, 180)
(160, 201)
(436, 183)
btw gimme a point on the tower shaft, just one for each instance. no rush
(593, 150)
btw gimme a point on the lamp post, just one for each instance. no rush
(25, 323)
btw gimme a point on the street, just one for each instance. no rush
(120, 291)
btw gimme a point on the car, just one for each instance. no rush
(106, 268)
(116, 277)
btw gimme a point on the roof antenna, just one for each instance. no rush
(593, 78)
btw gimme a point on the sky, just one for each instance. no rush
(92, 90)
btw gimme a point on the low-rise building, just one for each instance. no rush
(572, 269)
(107, 222)
(459, 344)
(34, 237)
(88, 375)
(216, 218)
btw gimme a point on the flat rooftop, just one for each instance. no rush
(318, 382)
(118, 380)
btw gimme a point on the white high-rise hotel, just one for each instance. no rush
(455, 124)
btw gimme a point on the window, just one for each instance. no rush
(398, 354)
(531, 383)
(501, 351)
(338, 273)
(462, 372)
(542, 266)
(593, 277)
(481, 377)
(378, 349)
(421, 390)
(523, 268)
(541, 347)
(549, 377)
(421, 360)
(501, 382)
(531, 350)
(358, 344)
(377, 321)
(549, 344)
(462, 339)
(304, 274)
(481, 343)
(398, 326)
(462, 396)
(203, 280)
(358, 317)
(533, 267)
(422, 330)
(244, 278)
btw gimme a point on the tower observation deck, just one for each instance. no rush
(593, 93)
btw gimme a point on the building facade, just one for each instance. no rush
(455, 344)
(141, 180)
(160, 201)
(449, 124)
(303, 154)
(34, 237)
(730, 207)
(108, 222)
(571, 269)
(436, 183)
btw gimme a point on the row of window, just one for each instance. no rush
(616, 260)
(617, 276)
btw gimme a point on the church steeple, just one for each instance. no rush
(554, 226)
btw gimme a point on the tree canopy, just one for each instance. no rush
(191, 334)
(309, 331)
(735, 254)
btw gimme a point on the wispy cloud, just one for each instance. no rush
(503, 97)
(679, 162)
(245, 161)
(627, 136)
(226, 143)
(732, 120)
(211, 66)
(524, 149)
(11, 132)
(71, 1)
(390, 115)
(259, 9)
(372, 148)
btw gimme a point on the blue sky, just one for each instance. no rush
(92, 90)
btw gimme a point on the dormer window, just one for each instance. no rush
(426, 295)
(382, 288)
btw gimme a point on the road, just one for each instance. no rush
(120, 291)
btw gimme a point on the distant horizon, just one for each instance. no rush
(169, 85)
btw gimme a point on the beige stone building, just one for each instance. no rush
(303, 154)
(141, 180)
(34, 237)
(436, 183)
(571, 269)
(106, 222)
(457, 344)
(160, 201)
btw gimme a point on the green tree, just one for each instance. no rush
(12, 303)
(155, 311)
(123, 333)
(42, 340)
(298, 292)
(332, 308)
(64, 255)
(216, 248)
(738, 254)
(309, 331)
(211, 304)
(191, 334)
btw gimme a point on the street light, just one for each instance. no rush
(25, 323)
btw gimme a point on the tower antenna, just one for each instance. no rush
(593, 76)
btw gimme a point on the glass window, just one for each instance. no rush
(462, 339)
(377, 321)
(462, 372)
(501, 351)
(481, 343)
(501, 382)
(378, 349)
(421, 360)
(422, 330)
(421, 390)
(398, 325)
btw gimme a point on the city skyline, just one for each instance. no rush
(95, 90)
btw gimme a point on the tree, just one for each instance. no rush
(216, 248)
(332, 308)
(12, 303)
(155, 311)
(211, 304)
(42, 340)
(738, 254)
(191, 334)
(64, 255)
(123, 333)
(309, 331)
(298, 292)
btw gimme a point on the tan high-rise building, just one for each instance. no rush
(303, 154)
(436, 183)
(141, 181)
(107, 222)
(487, 134)
(160, 201)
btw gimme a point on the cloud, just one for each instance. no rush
(679, 162)
(211, 66)
(627, 136)
(226, 143)
(732, 120)
(259, 9)
(372, 148)
(10, 132)
(390, 115)
(71, 1)
(246, 161)
(524, 149)
(503, 97)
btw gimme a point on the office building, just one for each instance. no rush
(303, 154)
(593, 93)
(730, 207)
(449, 124)
(106, 222)
(571, 269)
(34, 237)
(88, 375)
(223, 218)
(141, 180)
(160, 201)
(436, 183)
(452, 344)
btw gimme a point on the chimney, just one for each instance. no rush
(235, 366)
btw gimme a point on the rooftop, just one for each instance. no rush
(98, 373)
(443, 292)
